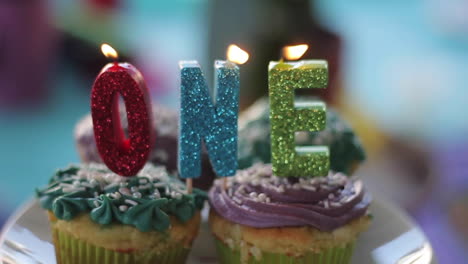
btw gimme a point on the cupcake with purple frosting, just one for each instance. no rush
(261, 218)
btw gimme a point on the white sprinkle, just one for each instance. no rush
(76, 183)
(340, 182)
(159, 184)
(229, 242)
(68, 189)
(313, 181)
(268, 199)
(116, 195)
(94, 182)
(123, 184)
(53, 189)
(96, 203)
(237, 200)
(144, 187)
(309, 188)
(134, 189)
(96, 194)
(253, 194)
(81, 174)
(331, 196)
(137, 195)
(321, 179)
(125, 191)
(131, 202)
(66, 185)
(280, 189)
(325, 204)
(176, 195)
(88, 185)
(142, 181)
(230, 192)
(156, 192)
(123, 208)
(73, 177)
(109, 176)
(345, 199)
(262, 197)
(255, 251)
(335, 204)
(178, 188)
(112, 185)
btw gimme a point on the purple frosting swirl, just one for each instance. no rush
(256, 198)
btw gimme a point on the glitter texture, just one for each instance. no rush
(288, 117)
(203, 120)
(124, 156)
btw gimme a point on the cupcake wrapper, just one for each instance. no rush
(337, 255)
(70, 250)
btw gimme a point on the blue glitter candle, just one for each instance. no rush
(288, 117)
(209, 116)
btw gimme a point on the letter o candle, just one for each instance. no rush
(124, 156)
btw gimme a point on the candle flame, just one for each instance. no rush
(294, 52)
(236, 54)
(109, 52)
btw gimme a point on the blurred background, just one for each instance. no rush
(398, 73)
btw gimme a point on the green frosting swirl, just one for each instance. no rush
(149, 215)
(145, 201)
(66, 208)
(105, 212)
(182, 208)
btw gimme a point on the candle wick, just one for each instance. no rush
(115, 58)
(230, 64)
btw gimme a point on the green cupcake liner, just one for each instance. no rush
(336, 255)
(69, 250)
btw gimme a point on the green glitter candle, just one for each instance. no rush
(288, 117)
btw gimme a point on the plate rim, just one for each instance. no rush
(386, 205)
(11, 221)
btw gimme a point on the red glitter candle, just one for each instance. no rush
(123, 155)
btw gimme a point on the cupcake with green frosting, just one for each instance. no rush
(346, 150)
(100, 217)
